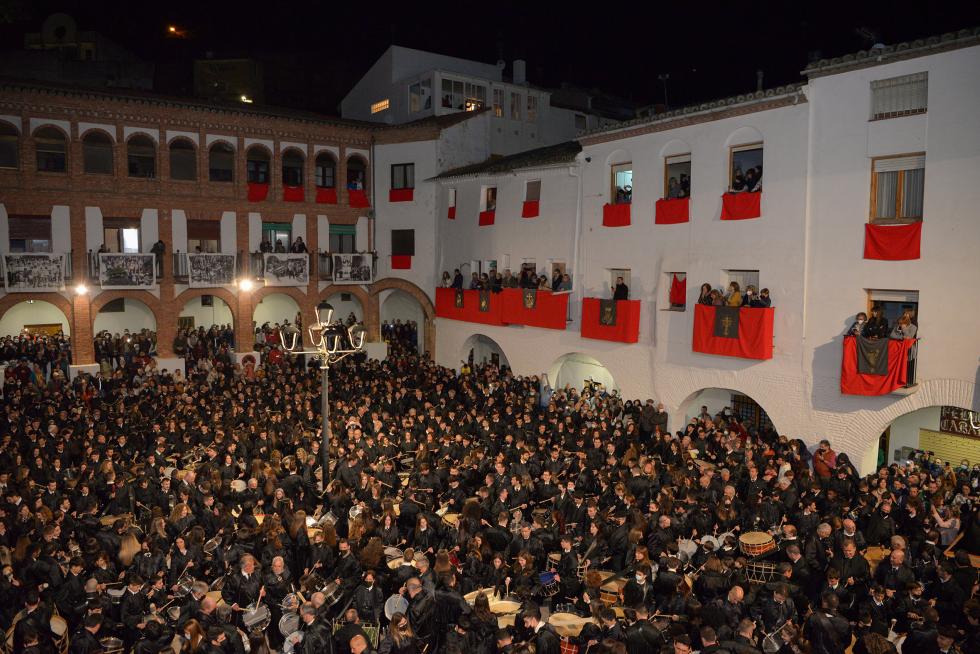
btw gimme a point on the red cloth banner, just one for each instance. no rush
(739, 206)
(326, 195)
(550, 310)
(672, 212)
(486, 218)
(401, 262)
(257, 192)
(401, 195)
(293, 194)
(854, 383)
(452, 213)
(530, 209)
(626, 329)
(358, 199)
(470, 312)
(678, 290)
(892, 242)
(754, 339)
(616, 215)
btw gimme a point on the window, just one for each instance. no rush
(183, 160)
(675, 284)
(381, 105)
(9, 146)
(121, 234)
(402, 176)
(343, 239)
(615, 274)
(515, 106)
(420, 96)
(677, 176)
(532, 191)
(750, 413)
(50, 145)
(403, 242)
(141, 157)
(97, 153)
(622, 183)
(894, 303)
(498, 103)
(278, 234)
(29, 233)
(746, 168)
(897, 188)
(532, 108)
(452, 94)
(356, 174)
(581, 124)
(292, 168)
(257, 165)
(899, 96)
(451, 199)
(744, 279)
(490, 198)
(475, 96)
(221, 163)
(325, 171)
(204, 234)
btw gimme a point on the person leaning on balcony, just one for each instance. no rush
(457, 279)
(447, 281)
(877, 325)
(857, 327)
(904, 327)
(620, 291)
(734, 296)
(298, 246)
(705, 296)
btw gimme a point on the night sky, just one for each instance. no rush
(313, 52)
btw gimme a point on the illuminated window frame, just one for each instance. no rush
(381, 105)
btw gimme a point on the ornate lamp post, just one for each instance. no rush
(332, 342)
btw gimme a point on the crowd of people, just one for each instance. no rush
(733, 296)
(400, 336)
(159, 510)
(125, 349)
(877, 326)
(298, 246)
(496, 282)
(35, 357)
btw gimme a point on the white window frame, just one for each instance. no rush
(528, 186)
(898, 164)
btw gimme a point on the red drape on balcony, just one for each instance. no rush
(326, 195)
(678, 290)
(853, 382)
(550, 309)
(358, 199)
(401, 261)
(451, 213)
(257, 192)
(739, 206)
(293, 194)
(752, 334)
(672, 212)
(530, 209)
(401, 195)
(626, 329)
(616, 215)
(892, 242)
(486, 218)
(470, 311)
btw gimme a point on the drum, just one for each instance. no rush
(392, 553)
(257, 618)
(238, 485)
(218, 583)
(290, 603)
(549, 587)
(451, 520)
(760, 572)
(554, 558)
(332, 593)
(568, 625)
(489, 592)
(686, 549)
(355, 512)
(395, 604)
(756, 543)
(212, 545)
(173, 614)
(328, 518)
(875, 554)
(184, 586)
(287, 646)
(582, 568)
(59, 630)
(373, 633)
(566, 646)
(541, 516)
(407, 462)
(610, 592)
(289, 624)
(116, 594)
(111, 645)
(505, 607)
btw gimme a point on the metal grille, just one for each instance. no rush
(899, 96)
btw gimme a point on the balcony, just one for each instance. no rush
(36, 272)
(129, 270)
(325, 266)
(879, 366)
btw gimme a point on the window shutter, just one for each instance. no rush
(894, 164)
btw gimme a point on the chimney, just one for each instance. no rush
(758, 80)
(520, 71)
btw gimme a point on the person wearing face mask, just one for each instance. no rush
(857, 327)
(368, 598)
(638, 590)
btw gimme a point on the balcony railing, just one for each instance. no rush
(913, 357)
(325, 264)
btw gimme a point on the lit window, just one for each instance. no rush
(532, 108)
(379, 106)
(677, 176)
(515, 106)
(899, 96)
(622, 183)
(498, 103)
(746, 168)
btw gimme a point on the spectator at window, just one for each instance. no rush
(484, 282)
(355, 184)
(904, 327)
(509, 281)
(475, 282)
(457, 279)
(755, 299)
(877, 325)
(621, 291)
(734, 297)
(674, 189)
(858, 325)
(447, 281)
(685, 185)
(298, 246)
(496, 281)
(556, 279)
(763, 300)
(566, 283)
(265, 246)
(280, 248)
(738, 181)
(717, 299)
(624, 194)
(705, 296)
(158, 250)
(753, 179)
(543, 283)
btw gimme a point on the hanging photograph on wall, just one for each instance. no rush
(127, 270)
(210, 270)
(34, 273)
(287, 269)
(353, 269)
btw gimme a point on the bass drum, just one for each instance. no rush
(395, 604)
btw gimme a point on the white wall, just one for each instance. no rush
(275, 308)
(343, 308)
(32, 313)
(398, 305)
(149, 228)
(229, 238)
(254, 231)
(218, 314)
(137, 316)
(715, 399)
(178, 227)
(322, 233)
(573, 369)
(904, 431)
(483, 349)
(60, 229)
(94, 234)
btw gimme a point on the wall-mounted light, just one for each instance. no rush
(245, 284)
(246, 99)
(81, 289)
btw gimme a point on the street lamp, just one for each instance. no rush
(332, 342)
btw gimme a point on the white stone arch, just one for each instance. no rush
(135, 316)
(619, 156)
(275, 308)
(15, 318)
(717, 397)
(344, 306)
(573, 368)
(396, 304)
(675, 147)
(482, 347)
(743, 136)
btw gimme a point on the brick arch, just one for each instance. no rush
(183, 137)
(151, 301)
(140, 132)
(393, 283)
(934, 392)
(258, 146)
(369, 305)
(226, 295)
(330, 153)
(58, 300)
(81, 137)
(57, 127)
(223, 141)
(19, 128)
(294, 149)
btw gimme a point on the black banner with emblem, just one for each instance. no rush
(607, 312)
(530, 298)
(459, 298)
(484, 301)
(726, 322)
(872, 356)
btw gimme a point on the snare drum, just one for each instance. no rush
(549, 586)
(257, 618)
(756, 543)
(554, 558)
(173, 614)
(212, 545)
(609, 592)
(760, 572)
(59, 628)
(395, 604)
(289, 624)
(111, 645)
(116, 594)
(332, 593)
(290, 603)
